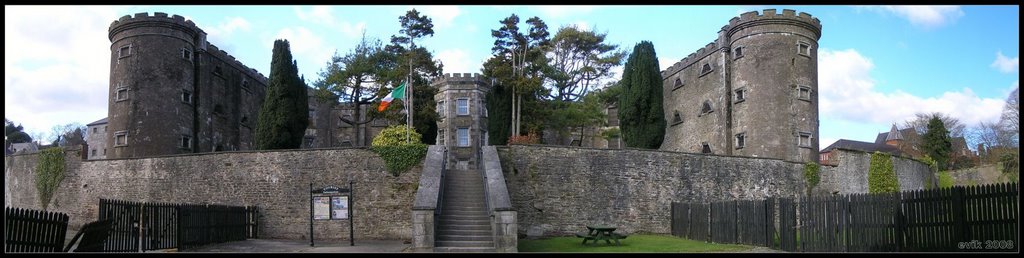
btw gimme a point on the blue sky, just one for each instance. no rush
(878, 65)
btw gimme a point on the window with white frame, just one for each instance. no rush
(440, 109)
(124, 51)
(186, 53)
(463, 137)
(440, 137)
(120, 138)
(804, 140)
(676, 118)
(186, 96)
(803, 48)
(741, 140)
(462, 107)
(185, 142)
(803, 92)
(121, 93)
(739, 95)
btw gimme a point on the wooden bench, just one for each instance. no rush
(93, 235)
(586, 238)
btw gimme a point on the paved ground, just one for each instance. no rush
(302, 246)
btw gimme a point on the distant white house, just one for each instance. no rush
(28, 147)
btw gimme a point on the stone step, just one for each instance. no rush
(467, 213)
(464, 238)
(464, 227)
(464, 244)
(464, 200)
(464, 232)
(463, 249)
(485, 222)
(446, 209)
(449, 216)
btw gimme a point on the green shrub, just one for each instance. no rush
(811, 175)
(1010, 162)
(49, 173)
(398, 155)
(945, 180)
(881, 175)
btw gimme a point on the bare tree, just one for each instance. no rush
(70, 134)
(1011, 113)
(920, 123)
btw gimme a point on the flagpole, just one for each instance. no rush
(408, 97)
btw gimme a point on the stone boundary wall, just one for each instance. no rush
(851, 175)
(558, 190)
(276, 181)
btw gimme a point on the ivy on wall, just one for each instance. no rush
(811, 174)
(398, 155)
(881, 175)
(49, 173)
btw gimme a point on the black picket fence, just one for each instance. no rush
(28, 230)
(976, 218)
(181, 226)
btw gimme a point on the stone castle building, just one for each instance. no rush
(462, 116)
(751, 92)
(173, 92)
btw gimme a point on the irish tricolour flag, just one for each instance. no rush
(398, 93)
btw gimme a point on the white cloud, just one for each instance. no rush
(456, 61)
(352, 30)
(317, 14)
(665, 63)
(925, 16)
(442, 16)
(582, 25)
(56, 66)
(305, 45)
(847, 93)
(559, 11)
(1006, 65)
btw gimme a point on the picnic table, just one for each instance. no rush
(599, 232)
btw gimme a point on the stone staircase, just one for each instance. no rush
(464, 225)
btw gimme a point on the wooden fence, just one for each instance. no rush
(957, 219)
(28, 230)
(182, 226)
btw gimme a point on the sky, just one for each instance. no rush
(877, 65)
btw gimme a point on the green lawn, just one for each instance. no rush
(632, 244)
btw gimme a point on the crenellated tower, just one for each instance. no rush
(751, 92)
(462, 116)
(173, 92)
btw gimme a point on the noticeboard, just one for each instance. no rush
(321, 207)
(339, 207)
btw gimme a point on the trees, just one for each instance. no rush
(881, 175)
(1011, 113)
(517, 68)
(356, 80)
(936, 142)
(641, 117)
(71, 134)
(14, 134)
(417, 64)
(578, 60)
(282, 121)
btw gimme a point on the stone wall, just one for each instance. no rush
(851, 175)
(276, 181)
(559, 190)
(980, 175)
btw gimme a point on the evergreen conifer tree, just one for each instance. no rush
(641, 117)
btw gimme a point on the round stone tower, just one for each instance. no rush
(152, 84)
(773, 81)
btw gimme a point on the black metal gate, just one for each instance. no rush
(139, 226)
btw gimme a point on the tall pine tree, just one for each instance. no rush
(641, 117)
(283, 118)
(937, 143)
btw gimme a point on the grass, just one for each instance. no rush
(632, 244)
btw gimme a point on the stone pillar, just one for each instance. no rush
(505, 230)
(423, 230)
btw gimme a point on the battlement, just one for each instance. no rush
(177, 21)
(753, 18)
(214, 51)
(746, 20)
(464, 77)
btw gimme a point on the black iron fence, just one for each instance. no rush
(974, 218)
(183, 226)
(28, 230)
